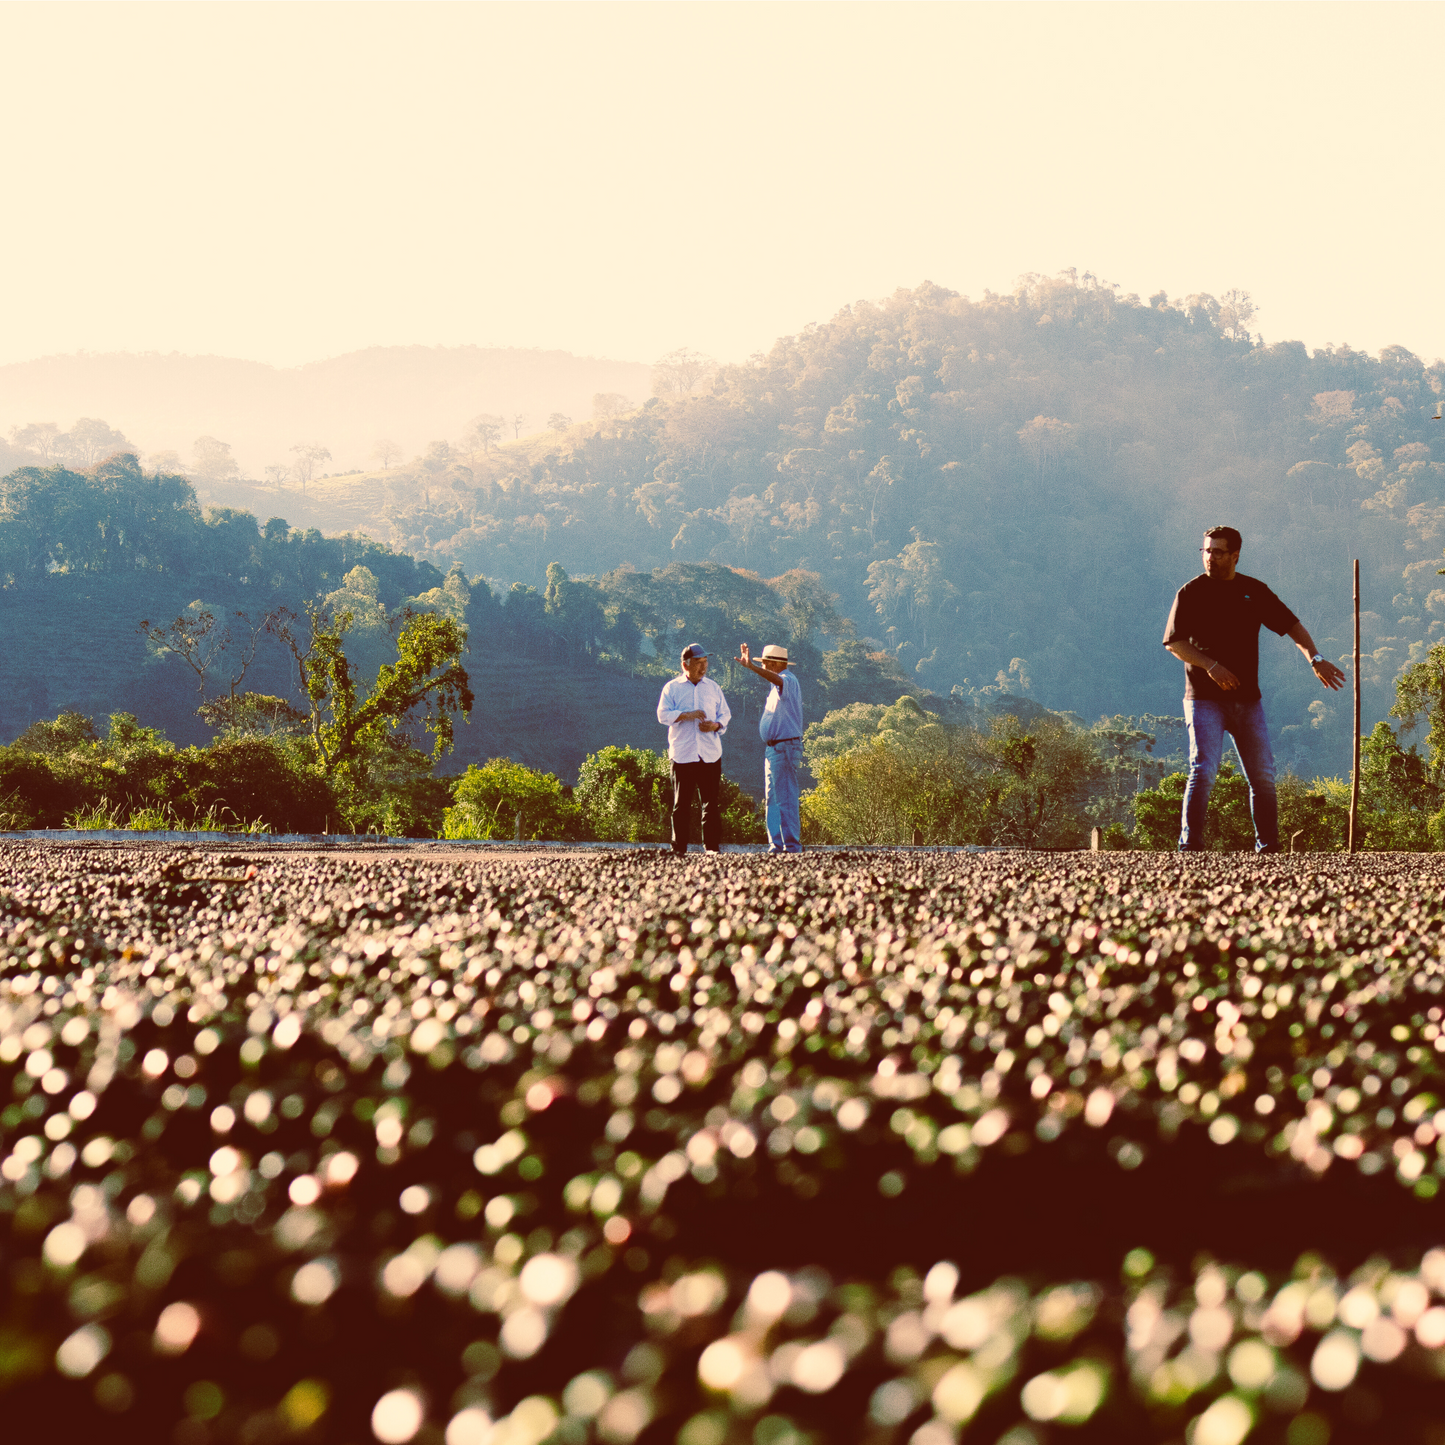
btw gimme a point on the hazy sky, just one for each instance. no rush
(285, 182)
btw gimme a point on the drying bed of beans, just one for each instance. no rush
(921, 1148)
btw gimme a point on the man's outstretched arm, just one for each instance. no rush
(1324, 669)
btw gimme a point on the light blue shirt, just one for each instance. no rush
(783, 714)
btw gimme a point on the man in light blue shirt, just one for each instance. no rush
(781, 729)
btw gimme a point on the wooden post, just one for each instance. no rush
(1355, 765)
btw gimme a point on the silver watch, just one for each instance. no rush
(1318, 657)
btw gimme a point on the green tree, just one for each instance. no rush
(1313, 817)
(63, 734)
(369, 636)
(808, 605)
(1123, 748)
(252, 714)
(626, 795)
(1397, 795)
(309, 456)
(574, 612)
(922, 790)
(425, 685)
(913, 584)
(1420, 691)
(861, 671)
(1041, 774)
(841, 731)
(451, 599)
(893, 775)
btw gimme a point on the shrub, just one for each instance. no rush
(240, 783)
(245, 781)
(742, 822)
(504, 799)
(1314, 815)
(883, 793)
(1397, 795)
(34, 793)
(898, 775)
(625, 796)
(1157, 813)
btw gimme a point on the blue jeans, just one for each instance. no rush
(781, 767)
(1244, 722)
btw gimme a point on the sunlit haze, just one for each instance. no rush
(286, 183)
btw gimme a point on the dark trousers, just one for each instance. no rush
(687, 779)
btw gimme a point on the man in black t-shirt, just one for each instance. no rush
(1213, 630)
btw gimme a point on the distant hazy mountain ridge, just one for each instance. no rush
(411, 394)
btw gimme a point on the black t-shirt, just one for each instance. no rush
(1222, 619)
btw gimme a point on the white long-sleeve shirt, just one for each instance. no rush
(685, 744)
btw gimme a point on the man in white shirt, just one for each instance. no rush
(696, 715)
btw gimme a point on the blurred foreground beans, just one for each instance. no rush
(1011, 1148)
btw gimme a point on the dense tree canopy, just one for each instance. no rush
(975, 496)
(1020, 479)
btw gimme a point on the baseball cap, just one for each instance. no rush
(694, 650)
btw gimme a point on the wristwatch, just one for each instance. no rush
(1318, 657)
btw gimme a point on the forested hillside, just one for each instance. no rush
(85, 557)
(1014, 485)
(1000, 495)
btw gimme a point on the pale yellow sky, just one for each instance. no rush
(285, 182)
